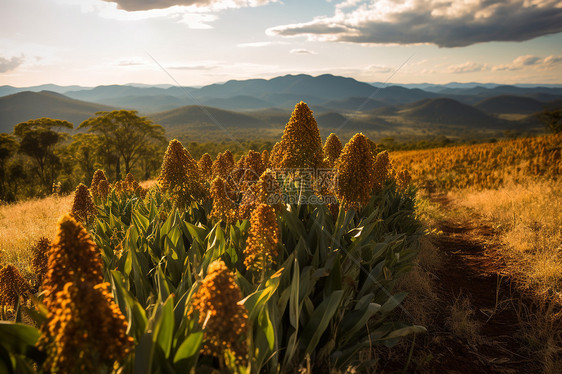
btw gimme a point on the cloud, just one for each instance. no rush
(445, 23)
(137, 5)
(302, 51)
(10, 64)
(259, 44)
(467, 67)
(379, 69)
(528, 61)
(134, 61)
(193, 67)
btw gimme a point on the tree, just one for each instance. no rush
(552, 120)
(38, 140)
(86, 150)
(8, 147)
(126, 134)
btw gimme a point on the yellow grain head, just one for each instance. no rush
(254, 167)
(237, 174)
(265, 158)
(131, 184)
(85, 330)
(261, 245)
(332, 150)
(12, 286)
(224, 207)
(180, 175)
(301, 145)
(73, 258)
(99, 177)
(265, 191)
(403, 179)
(275, 155)
(83, 207)
(40, 258)
(224, 320)
(103, 189)
(223, 165)
(205, 164)
(354, 173)
(382, 170)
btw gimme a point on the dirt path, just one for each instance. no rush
(471, 271)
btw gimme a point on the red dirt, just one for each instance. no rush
(470, 269)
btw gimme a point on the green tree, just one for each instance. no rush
(125, 134)
(38, 139)
(552, 119)
(86, 150)
(8, 147)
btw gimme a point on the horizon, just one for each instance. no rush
(385, 84)
(201, 42)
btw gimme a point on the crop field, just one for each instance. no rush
(310, 257)
(248, 266)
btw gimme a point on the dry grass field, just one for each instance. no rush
(24, 223)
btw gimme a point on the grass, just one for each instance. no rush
(461, 321)
(528, 219)
(24, 223)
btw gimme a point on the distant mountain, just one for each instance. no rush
(145, 104)
(24, 106)
(355, 103)
(240, 102)
(197, 117)
(103, 94)
(399, 95)
(325, 86)
(503, 90)
(450, 112)
(10, 90)
(505, 104)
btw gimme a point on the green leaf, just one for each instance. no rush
(144, 354)
(319, 321)
(189, 346)
(164, 327)
(140, 221)
(18, 338)
(294, 304)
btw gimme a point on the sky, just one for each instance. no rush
(198, 42)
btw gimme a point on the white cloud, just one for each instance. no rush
(530, 61)
(8, 64)
(467, 67)
(196, 14)
(139, 5)
(445, 23)
(259, 44)
(302, 51)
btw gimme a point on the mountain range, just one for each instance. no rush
(266, 104)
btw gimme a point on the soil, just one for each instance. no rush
(471, 269)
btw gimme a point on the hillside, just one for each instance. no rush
(325, 86)
(195, 117)
(355, 103)
(510, 104)
(23, 106)
(450, 112)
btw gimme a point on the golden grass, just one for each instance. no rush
(461, 320)
(529, 221)
(24, 223)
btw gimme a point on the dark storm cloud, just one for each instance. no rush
(444, 23)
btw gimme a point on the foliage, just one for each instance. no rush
(480, 166)
(553, 120)
(38, 139)
(294, 284)
(127, 135)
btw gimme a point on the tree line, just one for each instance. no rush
(41, 153)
